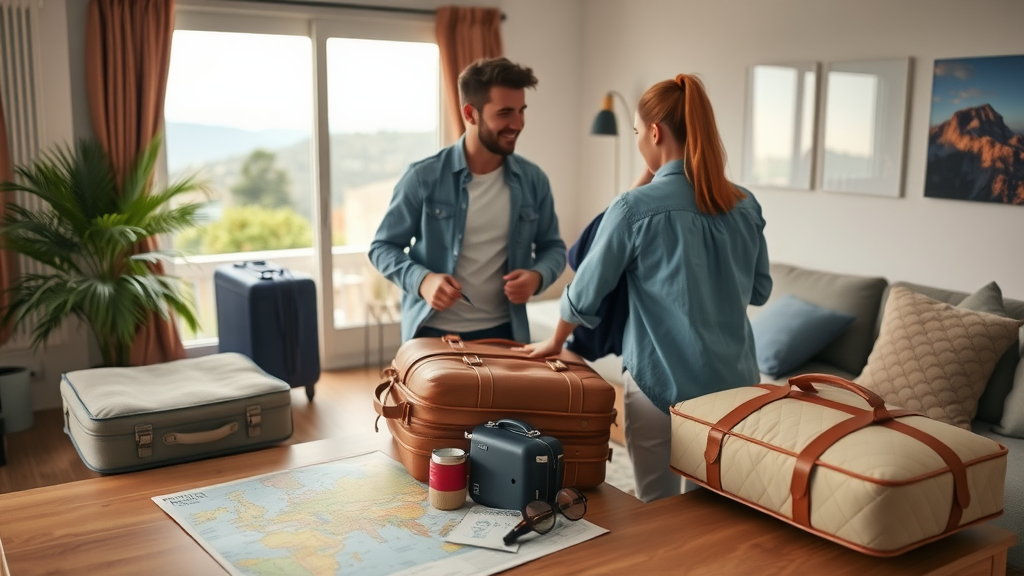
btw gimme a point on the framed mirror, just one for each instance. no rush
(780, 120)
(865, 110)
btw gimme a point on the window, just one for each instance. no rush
(241, 111)
(383, 101)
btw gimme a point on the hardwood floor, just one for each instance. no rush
(43, 455)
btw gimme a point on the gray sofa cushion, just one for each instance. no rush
(1012, 422)
(990, 405)
(812, 367)
(1013, 491)
(858, 296)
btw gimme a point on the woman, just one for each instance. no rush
(692, 248)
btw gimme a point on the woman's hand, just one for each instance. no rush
(548, 347)
(645, 177)
(552, 346)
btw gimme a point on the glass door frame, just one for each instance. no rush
(367, 344)
(339, 347)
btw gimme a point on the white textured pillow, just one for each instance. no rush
(935, 358)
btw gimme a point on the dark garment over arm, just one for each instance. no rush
(606, 338)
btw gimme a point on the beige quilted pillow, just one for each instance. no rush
(935, 358)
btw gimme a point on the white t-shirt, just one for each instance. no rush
(483, 260)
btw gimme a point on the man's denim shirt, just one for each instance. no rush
(423, 230)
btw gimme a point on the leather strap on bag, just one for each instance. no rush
(961, 490)
(713, 450)
(800, 486)
(484, 380)
(499, 348)
(398, 411)
(878, 414)
(474, 357)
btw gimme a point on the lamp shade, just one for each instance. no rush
(605, 124)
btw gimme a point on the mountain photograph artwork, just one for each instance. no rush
(976, 134)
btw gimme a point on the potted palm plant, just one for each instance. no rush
(87, 236)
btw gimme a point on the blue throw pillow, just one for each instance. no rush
(789, 331)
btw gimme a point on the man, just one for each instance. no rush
(471, 232)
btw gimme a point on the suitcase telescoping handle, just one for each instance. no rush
(806, 383)
(263, 270)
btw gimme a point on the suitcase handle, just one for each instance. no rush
(201, 437)
(517, 426)
(399, 411)
(806, 383)
(502, 341)
(508, 346)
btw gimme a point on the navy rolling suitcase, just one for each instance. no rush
(269, 314)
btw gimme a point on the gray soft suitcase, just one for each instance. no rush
(124, 419)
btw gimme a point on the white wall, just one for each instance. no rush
(548, 37)
(628, 46)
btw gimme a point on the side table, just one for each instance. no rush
(377, 313)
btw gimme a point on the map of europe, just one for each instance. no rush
(360, 515)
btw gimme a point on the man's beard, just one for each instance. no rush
(492, 143)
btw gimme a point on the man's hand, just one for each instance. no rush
(521, 284)
(440, 290)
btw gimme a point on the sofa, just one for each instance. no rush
(844, 349)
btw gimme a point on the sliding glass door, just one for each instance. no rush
(302, 123)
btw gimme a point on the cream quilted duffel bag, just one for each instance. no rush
(837, 462)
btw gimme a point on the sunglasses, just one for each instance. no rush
(539, 516)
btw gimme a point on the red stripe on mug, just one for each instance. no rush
(447, 477)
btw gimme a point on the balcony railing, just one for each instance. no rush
(358, 288)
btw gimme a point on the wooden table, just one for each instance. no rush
(110, 526)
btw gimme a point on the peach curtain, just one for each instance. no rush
(8, 260)
(127, 55)
(464, 34)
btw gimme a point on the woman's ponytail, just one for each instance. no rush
(683, 106)
(705, 152)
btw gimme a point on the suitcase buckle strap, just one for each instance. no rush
(557, 365)
(453, 340)
(144, 439)
(473, 360)
(253, 419)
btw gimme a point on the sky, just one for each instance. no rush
(968, 82)
(849, 115)
(774, 110)
(263, 81)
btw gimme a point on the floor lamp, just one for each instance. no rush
(605, 124)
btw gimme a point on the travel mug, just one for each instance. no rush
(447, 484)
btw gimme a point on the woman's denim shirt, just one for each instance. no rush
(690, 276)
(424, 226)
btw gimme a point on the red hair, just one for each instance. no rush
(682, 106)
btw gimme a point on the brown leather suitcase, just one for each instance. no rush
(437, 389)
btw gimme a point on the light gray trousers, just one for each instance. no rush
(649, 442)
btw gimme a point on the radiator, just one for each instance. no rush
(19, 89)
